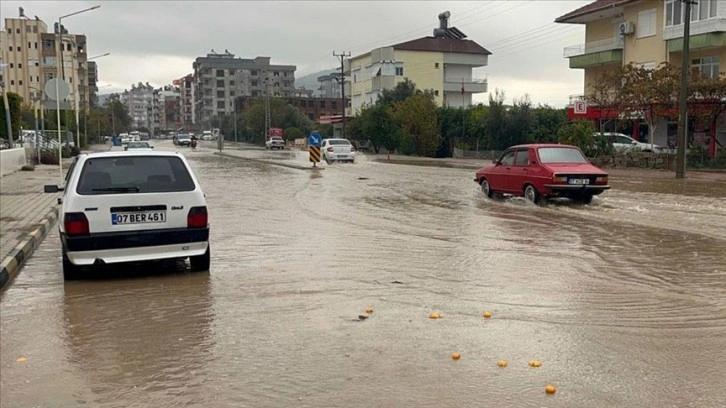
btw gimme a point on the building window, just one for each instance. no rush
(284, 74)
(255, 93)
(220, 73)
(11, 65)
(231, 83)
(335, 104)
(220, 83)
(20, 65)
(436, 92)
(646, 23)
(436, 65)
(703, 10)
(322, 104)
(35, 45)
(29, 45)
(27, 28)
(399, 71)
(254, 83)
(220, 105)
(35, 29)
(276, 73)
(277, 94)
(253, 72)
(707, 66)
(220, 94)
(12, 82)
(68, 47)
(17, 31)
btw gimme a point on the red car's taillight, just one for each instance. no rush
(76, 224)
(601, 180)
(330, 149)
(197, 217)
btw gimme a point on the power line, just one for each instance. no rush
(342, 57)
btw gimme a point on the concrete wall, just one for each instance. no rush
(11, 160)
(420, 68)
(645, 49)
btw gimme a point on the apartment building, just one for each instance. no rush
(220, 78)
(647, 33)
(187, 105)
(29, 51)
(329, 85)
(443, 63)
(141, 101)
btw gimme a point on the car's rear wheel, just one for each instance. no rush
(486, 189)
(70, 271)
(531, 194)
(327, 160)
(585, 198)
(201, 262)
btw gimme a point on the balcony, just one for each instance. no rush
(607, 51)
(470, 85)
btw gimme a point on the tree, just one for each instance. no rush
(496, 121)
(520, 122)
(120, 118)
(548, 122)
(292, 133)
(451, 122)
(416, 116)
(399, 93)
(282, 115)
(14, 102)
(379, 126)
(708, 96)
(579, 133)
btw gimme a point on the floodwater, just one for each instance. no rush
(623, 301)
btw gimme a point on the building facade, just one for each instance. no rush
(329, 85)
(443, 63)
(187, 102)
(220, 78)
(646, 33)
(29, 51)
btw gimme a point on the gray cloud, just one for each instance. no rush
(306, 33)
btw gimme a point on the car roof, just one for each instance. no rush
(538, 145)
(121, 153)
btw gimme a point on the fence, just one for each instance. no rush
(476, 154)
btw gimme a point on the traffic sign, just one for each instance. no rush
(315, 155)
(315, 139)
(62, 87)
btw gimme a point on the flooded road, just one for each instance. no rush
(623, 301)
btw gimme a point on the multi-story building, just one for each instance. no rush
(442, 63)
(329, 85)
(141, 101)
(220, 78)
(92, 83)
(645, 33)
(313, 107)
(187, 101)
(21, 45)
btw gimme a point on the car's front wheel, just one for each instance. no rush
(70, 271)
(486, 189)
(201, 262)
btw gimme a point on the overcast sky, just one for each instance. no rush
(157, 41)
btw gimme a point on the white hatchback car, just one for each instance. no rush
(337, 150)
(131, 206)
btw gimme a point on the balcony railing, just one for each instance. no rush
(475, 85)
(592, 47)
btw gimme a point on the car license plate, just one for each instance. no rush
(579, 181)
(148, 217)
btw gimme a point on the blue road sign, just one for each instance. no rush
(315, 139)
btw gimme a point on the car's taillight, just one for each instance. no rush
(197, 217)
(76, 224)
(601, 180)
(559, 179)
(330, 149)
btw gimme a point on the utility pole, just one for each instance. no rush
(683, 96)
(342, 57)
(267, 109)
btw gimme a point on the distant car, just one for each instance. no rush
(129, 206)
(138, 145)
(208, 135)
(542, 171)
(183, 140)
(335, 150)
(622, 143)
(275, 142)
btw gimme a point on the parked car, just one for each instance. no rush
(542, 171)
(335, 150)
(131, 206)
(138, 145)
(623, 143)
(275, 142)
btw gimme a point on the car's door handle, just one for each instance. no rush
(509, 168)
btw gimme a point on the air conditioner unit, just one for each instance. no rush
(626, 28)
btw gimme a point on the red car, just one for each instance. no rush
(542, 171)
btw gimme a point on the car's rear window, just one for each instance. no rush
(560, 155)
(134, 174)
(339, 142)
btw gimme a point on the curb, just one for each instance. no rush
(24, 250)
(291, 166)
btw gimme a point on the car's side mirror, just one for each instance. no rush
(51, 188)
(635, 142)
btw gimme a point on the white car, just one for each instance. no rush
(138, 145)
(129, 207)
(623, 142)
(335, 150)
(275, 142)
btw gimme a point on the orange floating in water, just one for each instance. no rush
(455, 356)
(435, 315)
(550, 389)
(487, 315)
(502, 363)
(21, 359)
(535, 363)
(369, 310)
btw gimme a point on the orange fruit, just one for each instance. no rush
(369, 310)
(535, 363)
(487, 315)
(455, 356)
(21, 359)
(550, 389)
(435, 315)
(502, 363)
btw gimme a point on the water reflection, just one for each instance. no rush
(142, 339)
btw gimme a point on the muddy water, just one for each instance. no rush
(623, 301)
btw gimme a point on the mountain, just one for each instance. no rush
(310, 81)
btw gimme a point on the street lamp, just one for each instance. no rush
(59, 61)
(98, 56)
(75, 102)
